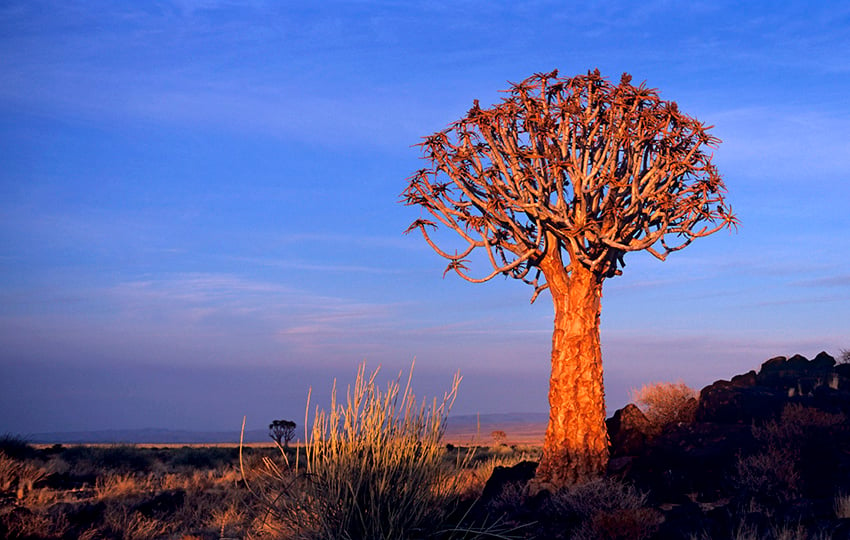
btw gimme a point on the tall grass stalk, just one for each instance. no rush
(373, 468)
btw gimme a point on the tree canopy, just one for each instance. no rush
(600, 169)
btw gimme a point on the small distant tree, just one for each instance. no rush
(553, 186)
(844, 356)
(499, 436)
(282, 431)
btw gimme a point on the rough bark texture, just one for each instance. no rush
(576, 445)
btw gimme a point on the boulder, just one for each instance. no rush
(628, 431)
(690, 458)
(724, 403)
(521, 474)
(823, 362)
(747, 379)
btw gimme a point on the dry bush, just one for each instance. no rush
(9, 471)
(604, 508)
(374, 468)
(35, 525)
(603, 494)
(43, 497)
(772, 474)
(15, 447)
(125, 524)
(666, 403)
(229, 520)
(121, 485)
(20, 476)
(625, 524)
(28, 475)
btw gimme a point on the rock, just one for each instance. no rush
(797, 362)
(724, 403)
(782, 374)
(620, 466)
(823, 362)
(521, 473)
(690, 459)
(628, 431)
(773, 362)
(747, 379)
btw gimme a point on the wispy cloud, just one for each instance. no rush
(841, 281)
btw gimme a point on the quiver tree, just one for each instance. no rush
(282, 431)
(555, 185)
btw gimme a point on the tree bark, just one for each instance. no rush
(576, 445)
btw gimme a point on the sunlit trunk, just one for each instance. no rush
(576, 444)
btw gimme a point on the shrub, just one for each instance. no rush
(604, 508)
(9, 471)
(16, 447)
(374, 468)
(773, 474)
(195, 458)
(666, 403)
(119, 458)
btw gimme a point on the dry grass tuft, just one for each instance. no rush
(121, 485)
(373, 468)
(842, 506)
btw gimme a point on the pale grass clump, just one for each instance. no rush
(121, 485)
(666, 403)
(842, 506)
(373, 468)
(9, 471)
(229, 520)
(20, 476)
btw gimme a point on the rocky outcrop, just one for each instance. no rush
(789, 417)
(759, 397)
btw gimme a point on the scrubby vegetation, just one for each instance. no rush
(134, 492)
(374, 467)
(765, 455)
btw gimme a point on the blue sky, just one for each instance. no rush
(199, 211)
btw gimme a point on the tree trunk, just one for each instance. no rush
(576, 446)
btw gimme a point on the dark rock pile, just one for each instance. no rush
(768, 446)
(768, 452)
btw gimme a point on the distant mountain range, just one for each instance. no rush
(518, 425)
